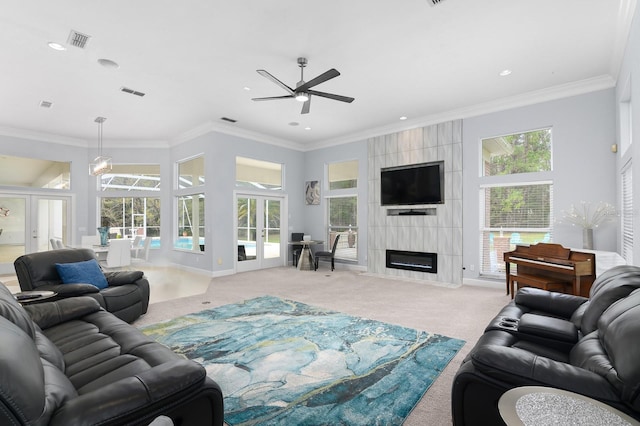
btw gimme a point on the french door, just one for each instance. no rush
(259, 232)
(29, 222)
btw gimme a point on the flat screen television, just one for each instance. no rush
(414, 184)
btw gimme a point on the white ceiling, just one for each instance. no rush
(193, 59)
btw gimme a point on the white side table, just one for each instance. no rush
(542, 406)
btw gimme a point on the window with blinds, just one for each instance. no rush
(343, 175)
(627, 214)
(514, 211)
(342, 213)
(512, 215)
(342, 208)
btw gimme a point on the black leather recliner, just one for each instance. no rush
(586, 346)
(71, 363)
(127, 295)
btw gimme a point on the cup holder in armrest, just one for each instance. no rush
(508, 323)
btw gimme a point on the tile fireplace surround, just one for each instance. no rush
(439, 233)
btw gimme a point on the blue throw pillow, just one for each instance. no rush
(88, 272)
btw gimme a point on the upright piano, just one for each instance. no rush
(551, 263)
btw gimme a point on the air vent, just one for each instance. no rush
(131, 91)
(434, 2)
(78, 39)
(46, 104)
(230, 120)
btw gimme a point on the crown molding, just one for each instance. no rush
(210, 126)
(530, 98)
(43, 137)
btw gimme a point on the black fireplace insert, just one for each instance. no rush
(413, 261)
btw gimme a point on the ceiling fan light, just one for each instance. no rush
(302, 97)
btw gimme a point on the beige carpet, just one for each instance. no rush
(456, 312)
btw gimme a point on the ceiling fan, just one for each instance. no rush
(303, 92)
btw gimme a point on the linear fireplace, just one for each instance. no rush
(413, 261)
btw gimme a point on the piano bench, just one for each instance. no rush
(545, 283)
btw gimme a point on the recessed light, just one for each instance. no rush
(307, 128)
(56, 46)
(505, 73)
(247, 88)
(108, 63)
(403, 118)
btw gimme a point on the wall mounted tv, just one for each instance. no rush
(413, 184)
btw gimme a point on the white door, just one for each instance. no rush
(259, 232)
(28, 223)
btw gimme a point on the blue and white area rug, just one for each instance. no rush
(281, 362)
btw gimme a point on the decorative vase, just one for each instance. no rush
(587, 238)
(104, 235)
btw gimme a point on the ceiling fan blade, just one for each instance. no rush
(266, 74)
(332, 73)
(306, 106)
(271, 98)
(331, 96)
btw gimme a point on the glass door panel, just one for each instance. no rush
(259, 232)
(28, 223)
(13, 230)
(271, 241)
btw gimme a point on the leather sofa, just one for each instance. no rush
(71, 363)
(127, 295)
(589, 346)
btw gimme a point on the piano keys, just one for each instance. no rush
(546, 263)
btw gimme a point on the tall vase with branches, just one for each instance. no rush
(588, 217)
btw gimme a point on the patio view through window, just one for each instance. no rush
(190, 205)
(191, 221)
(518, 210)
(126, 206)
(129, 217)
(342, 208)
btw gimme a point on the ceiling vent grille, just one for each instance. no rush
(434, 2)
(46, 104)
(131, 91)
(78, 39)
(230, 120)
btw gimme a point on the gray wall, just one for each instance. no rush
(220, 152)
(314, 216)
(584, 168)
(79, 158)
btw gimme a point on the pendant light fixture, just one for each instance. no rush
(101, 164)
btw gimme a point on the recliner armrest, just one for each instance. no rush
(70, 290)
(49, 314)
(133, 398)
(551, 302)
(520, 367)
(547, 328)
(123, 277)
